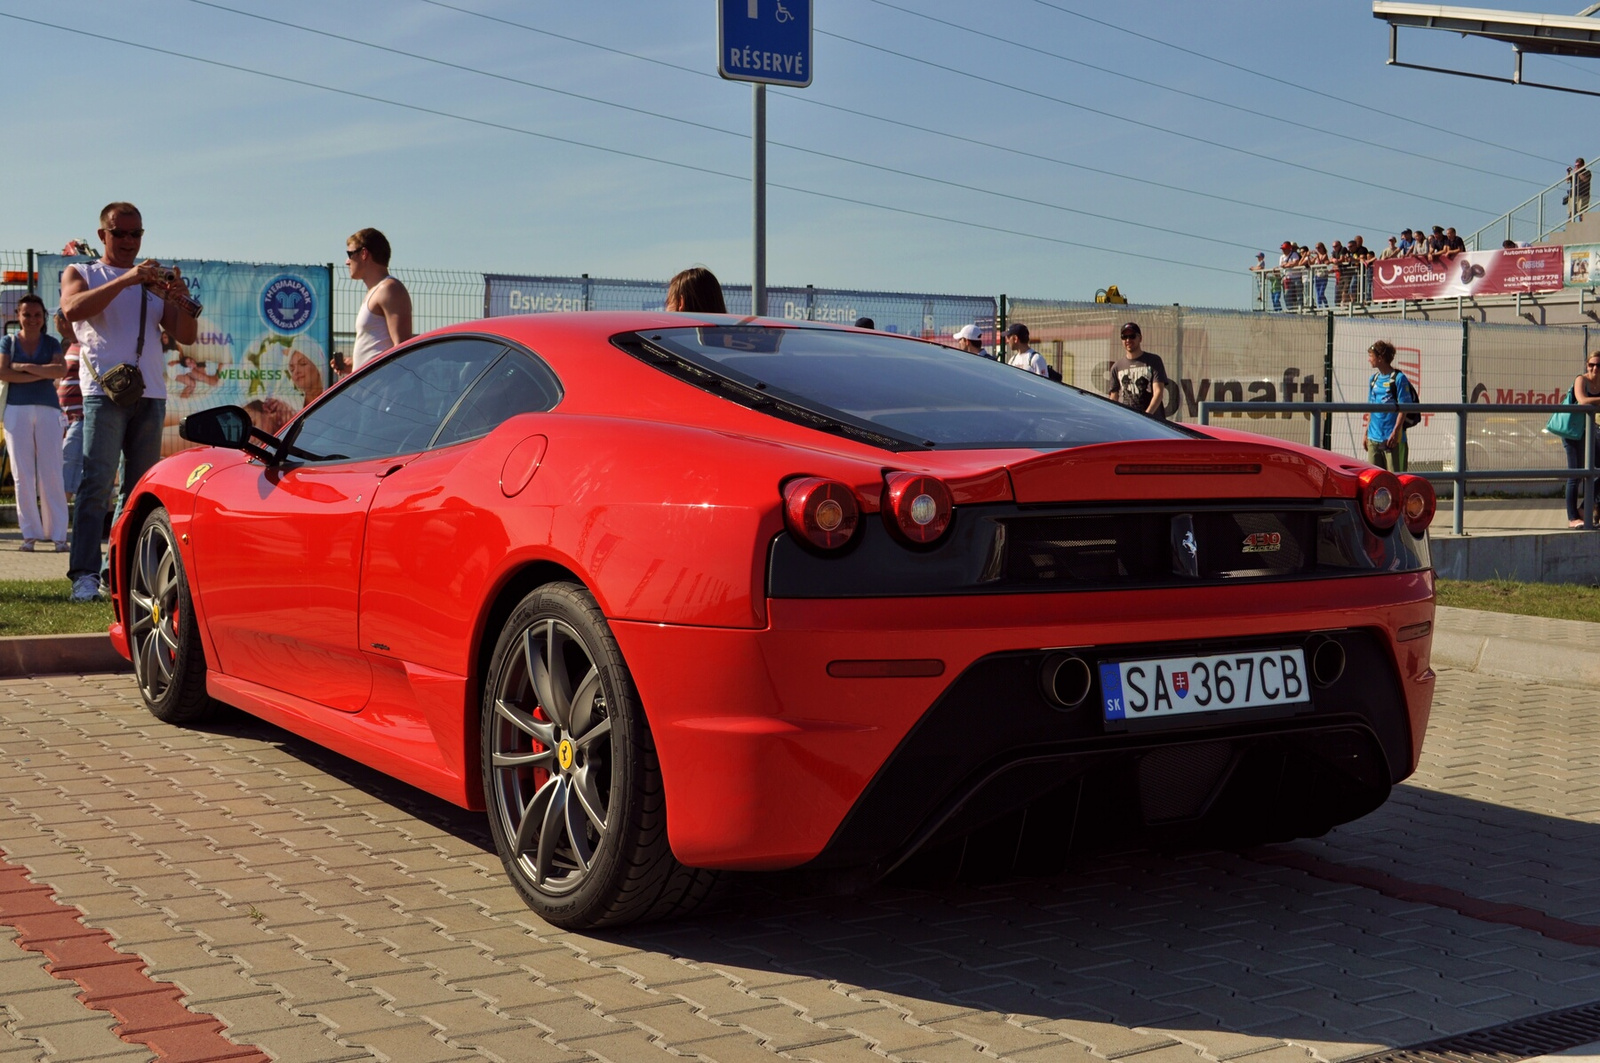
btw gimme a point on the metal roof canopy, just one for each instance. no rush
(1575, 35)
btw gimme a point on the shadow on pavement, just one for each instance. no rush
(1202, 941)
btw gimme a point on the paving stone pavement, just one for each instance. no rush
(325, 912)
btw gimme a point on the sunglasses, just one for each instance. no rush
(125, 234)
(353, 252)
(1593, 365)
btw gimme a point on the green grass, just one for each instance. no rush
(1562, 601)
(45, 607)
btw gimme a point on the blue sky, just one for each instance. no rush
(230, 164)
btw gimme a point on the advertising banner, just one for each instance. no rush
(1499, 272)
(908, 314)
(1429, 354)
(1581, 265)
(262, 342)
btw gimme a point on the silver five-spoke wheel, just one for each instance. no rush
(163, 637)
(551, 756)
(155, 610)
(576, 801)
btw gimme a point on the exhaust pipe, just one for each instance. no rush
(1327, 662)
(1067, 680)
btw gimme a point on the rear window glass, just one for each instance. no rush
(908, 393)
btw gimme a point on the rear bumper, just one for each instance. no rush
(769, 761)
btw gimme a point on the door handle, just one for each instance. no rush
(391, 469)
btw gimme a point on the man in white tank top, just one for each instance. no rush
(385, 315)
(103, 301)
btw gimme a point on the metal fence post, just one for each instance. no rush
(1000, 327)
(588, 293)
(1327, 379)
(29, 274)
(1459, 506)
(1588, 468)
(327, 368)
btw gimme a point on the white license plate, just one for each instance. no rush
(1162, 687)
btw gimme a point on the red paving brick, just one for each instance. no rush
(148, 1012)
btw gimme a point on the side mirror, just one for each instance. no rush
(220, 426)
(226, 426)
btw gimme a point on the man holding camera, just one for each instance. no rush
(118, 306)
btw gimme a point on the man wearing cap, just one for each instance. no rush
(1408, 246)
(1022, 355)
(1139, 378)
(969, 338)
(1291, 283)
(1271, 282)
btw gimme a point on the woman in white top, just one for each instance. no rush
(385, 315)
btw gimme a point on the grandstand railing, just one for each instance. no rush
(1310, 289)
(1532, 220)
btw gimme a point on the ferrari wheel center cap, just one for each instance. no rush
(155, 612)
(565, 754)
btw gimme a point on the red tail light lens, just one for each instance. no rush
(1380, 498)
(821, 513)
(917, 507)
(1417, 502)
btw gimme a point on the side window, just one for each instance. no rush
(515, 384)
(397, 407)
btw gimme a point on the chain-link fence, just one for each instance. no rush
(438, 297)
(1210, 354)
(1221, 355)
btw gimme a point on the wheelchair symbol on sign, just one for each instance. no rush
(782, 15)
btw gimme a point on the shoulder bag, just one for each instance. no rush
(123, 383)
(1564, 424)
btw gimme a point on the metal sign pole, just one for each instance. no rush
(764, 42)
(758, 286)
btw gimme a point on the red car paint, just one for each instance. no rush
(353, 603)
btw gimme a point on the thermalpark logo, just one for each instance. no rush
(1292, 386)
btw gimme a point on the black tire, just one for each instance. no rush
(164, 638)
(570, 773)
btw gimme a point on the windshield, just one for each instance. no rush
(897, 392)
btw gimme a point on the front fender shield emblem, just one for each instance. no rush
(199, 471)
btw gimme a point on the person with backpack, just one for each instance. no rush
(1386, 429)
(1139, 378)
(1022, 355)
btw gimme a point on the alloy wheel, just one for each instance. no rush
(155, 610)
(551, 756)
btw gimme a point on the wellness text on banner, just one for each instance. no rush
(1500, 272)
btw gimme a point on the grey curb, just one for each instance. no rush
(1555, 664)
(25, 655)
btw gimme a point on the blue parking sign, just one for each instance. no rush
(765, 40)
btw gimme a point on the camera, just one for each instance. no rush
(166, 275)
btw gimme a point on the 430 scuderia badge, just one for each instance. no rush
(1263, 542)
(199, 471)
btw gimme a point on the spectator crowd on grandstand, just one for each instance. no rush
(1301, 279)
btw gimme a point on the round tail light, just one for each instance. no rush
(917, 507)
(1380, 498)
(820, 513)
(1417, 502)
